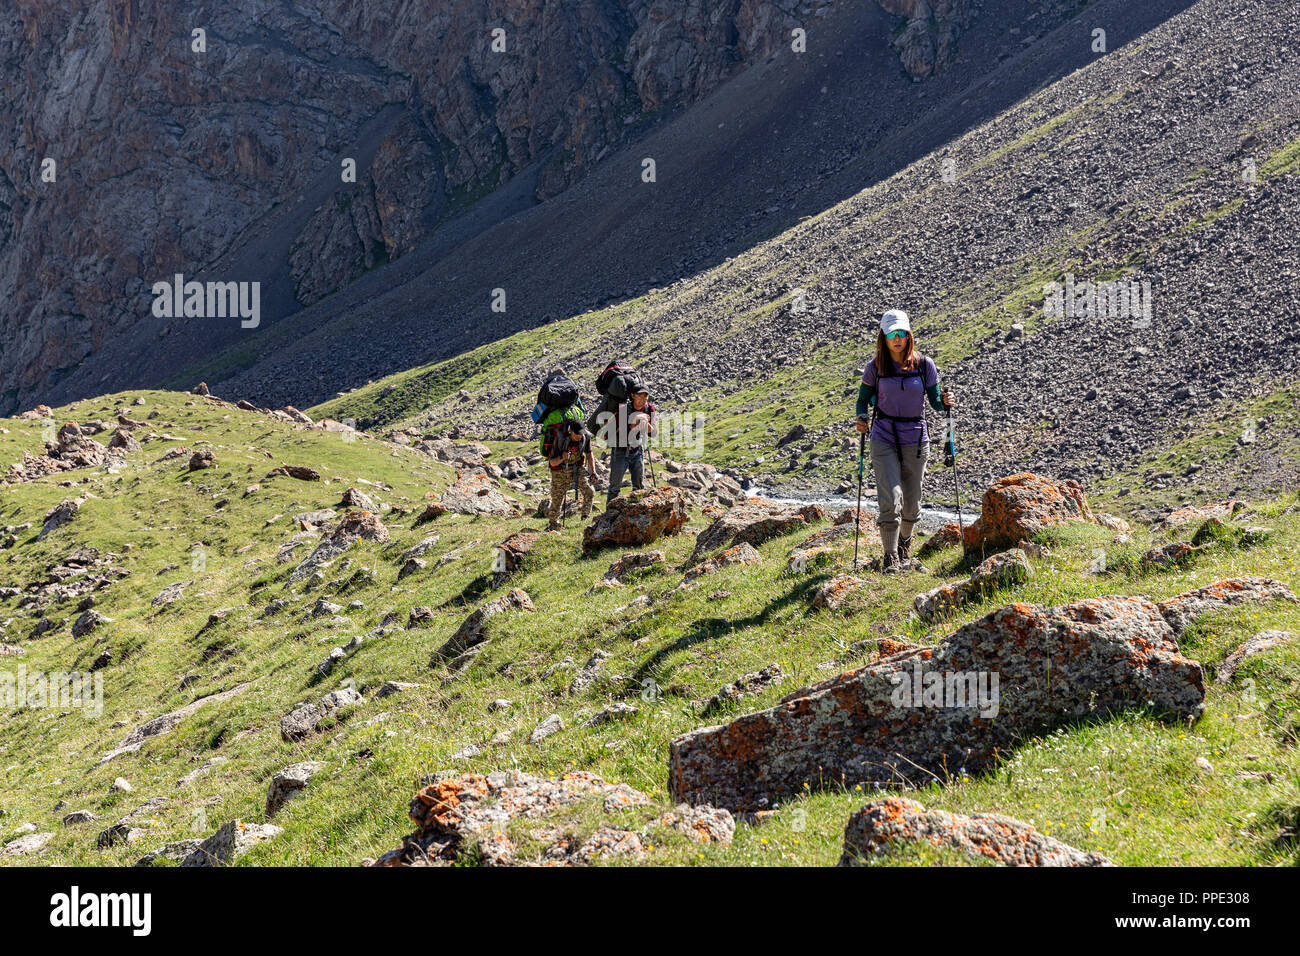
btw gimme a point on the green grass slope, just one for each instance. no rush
(1130, 788)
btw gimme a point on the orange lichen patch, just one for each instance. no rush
(436, 804)
(888, 647)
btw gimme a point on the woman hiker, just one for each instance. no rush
(895, 384)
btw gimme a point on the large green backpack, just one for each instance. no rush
(553, 423)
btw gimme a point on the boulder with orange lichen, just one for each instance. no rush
(637, 519)
(471, 818)
(752, 522)
(833, 595)
(1182, 609)
(934, 712)
(1017, 507)
(884, 825)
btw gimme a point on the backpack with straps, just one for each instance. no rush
(553, 423)
(617, 381)
(557, 393)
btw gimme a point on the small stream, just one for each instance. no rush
(931, 518)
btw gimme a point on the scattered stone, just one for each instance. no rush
(166, 723)
(1003, 569)
(1169, 555)
(289, 783)
(230, 842)
(1261, 642)
(88, 623)
(473, 631)
(201, 459)
(303, 720)
(25, 845)
(175, 852)
(394, 687)
(548, 727)
(588, 673)
(744, 686)
(79, 816)
(611, 712)
(300, 472)
(510, 556)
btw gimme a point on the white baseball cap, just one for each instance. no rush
(894, 320)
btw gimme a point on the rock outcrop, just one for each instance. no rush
(929, 713)
(752, 522)
(637, 519)
(1017, 507)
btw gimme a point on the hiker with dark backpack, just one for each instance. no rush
(625, 421)
(891, 407)
(634, 424)
(559, 406)
(568, 455)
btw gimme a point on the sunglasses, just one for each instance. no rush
(896, 335)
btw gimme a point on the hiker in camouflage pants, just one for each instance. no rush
(573, 461)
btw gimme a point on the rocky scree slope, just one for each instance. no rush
(1172, 160)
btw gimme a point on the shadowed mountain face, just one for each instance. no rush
(134, 147)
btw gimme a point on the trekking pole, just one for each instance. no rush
(857, 515)
(951, 451)
(645, 450)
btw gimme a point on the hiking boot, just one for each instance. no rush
(904, 549)
(553, 526)
(889, 563)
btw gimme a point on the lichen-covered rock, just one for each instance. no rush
(835, 593)
(948, 535)
(510, 555)
(998, 570)
(742, 553)
(882, 825)
(1189, 513)
(637, 519)
(1017, 507)
(703, 824)
(929, 713)
(1182, 609)
(473, 630)
(467, 818)
(752, 522)
(1258, 644)
(474, 493)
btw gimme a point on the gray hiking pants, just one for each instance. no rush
(898, 489)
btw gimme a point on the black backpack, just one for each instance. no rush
(617, 381)
(558, 391)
